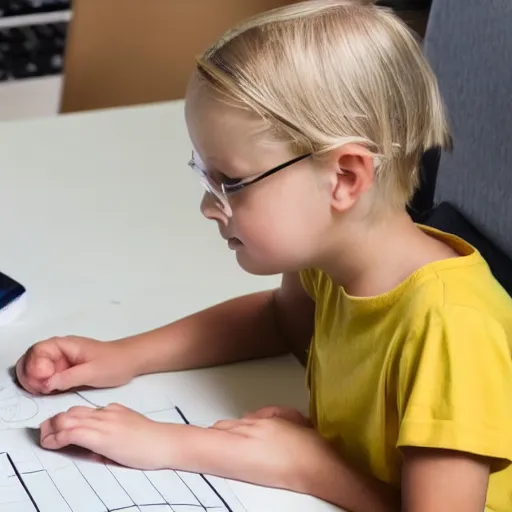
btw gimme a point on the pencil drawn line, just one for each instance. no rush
(58, 490)
(158, 492)
(120, 485)
(90, 402)
(139, 504)
(155, 505)
(51, 479)
(165, 409)
(184, 418)
(19, 409)
(209, 484)
(123, 508)
(32, 472)
(192, 492)
(17, 396)
(185, 505)
(16, 472)
(89, 484)
(182, 415)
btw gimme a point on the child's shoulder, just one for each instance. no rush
(462, 286)
(453, 292)
(458, 301)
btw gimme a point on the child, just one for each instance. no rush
(410, 367)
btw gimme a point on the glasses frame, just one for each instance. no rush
(221, 191)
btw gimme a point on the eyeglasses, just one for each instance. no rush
(221, 191)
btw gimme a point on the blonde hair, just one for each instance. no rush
(323, 73)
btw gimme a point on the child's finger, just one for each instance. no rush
(232, 424)
(73, 377)
(39, 367)
(86, 436)
(261, 413)
(243, 429)
(224, 424)
(31, 385)
(79, 411)
(64, 420)
(48, 349)
(270, 411)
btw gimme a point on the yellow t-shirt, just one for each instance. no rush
(428, 364)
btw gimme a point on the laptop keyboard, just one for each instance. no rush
(10, 8)
(32, 51)
(32, 38)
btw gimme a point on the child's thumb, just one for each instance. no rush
(76, 376)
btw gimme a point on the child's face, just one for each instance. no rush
(274, 225)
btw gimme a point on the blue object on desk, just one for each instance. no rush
(10, 290)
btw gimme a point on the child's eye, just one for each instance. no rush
(229, 182)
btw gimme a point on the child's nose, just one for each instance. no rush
(211, 209)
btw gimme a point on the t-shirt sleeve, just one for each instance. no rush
(455, 386)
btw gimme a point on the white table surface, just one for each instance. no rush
(100, 221)
(30, 98)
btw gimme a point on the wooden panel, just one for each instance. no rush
(126, 52)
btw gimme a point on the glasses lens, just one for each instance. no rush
(211, 188)
(216, 192)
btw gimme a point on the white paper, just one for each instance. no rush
(76, 482)
(19, 408)
(13, 497)
(72, 481)
(202, 396)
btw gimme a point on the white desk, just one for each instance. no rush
(30, 98)
(100, 222)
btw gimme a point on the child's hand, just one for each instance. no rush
(116, 432)
(286, 413)
(60, 364)
(273, 452)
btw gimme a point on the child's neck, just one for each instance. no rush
(374, 259)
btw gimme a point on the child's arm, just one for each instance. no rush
(262, 324)
(258, 325)
(275, 453)
(432, 481)
(443, 481)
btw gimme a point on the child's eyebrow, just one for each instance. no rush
(220, 165)
(200, 162)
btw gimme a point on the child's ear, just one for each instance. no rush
(355, 174)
